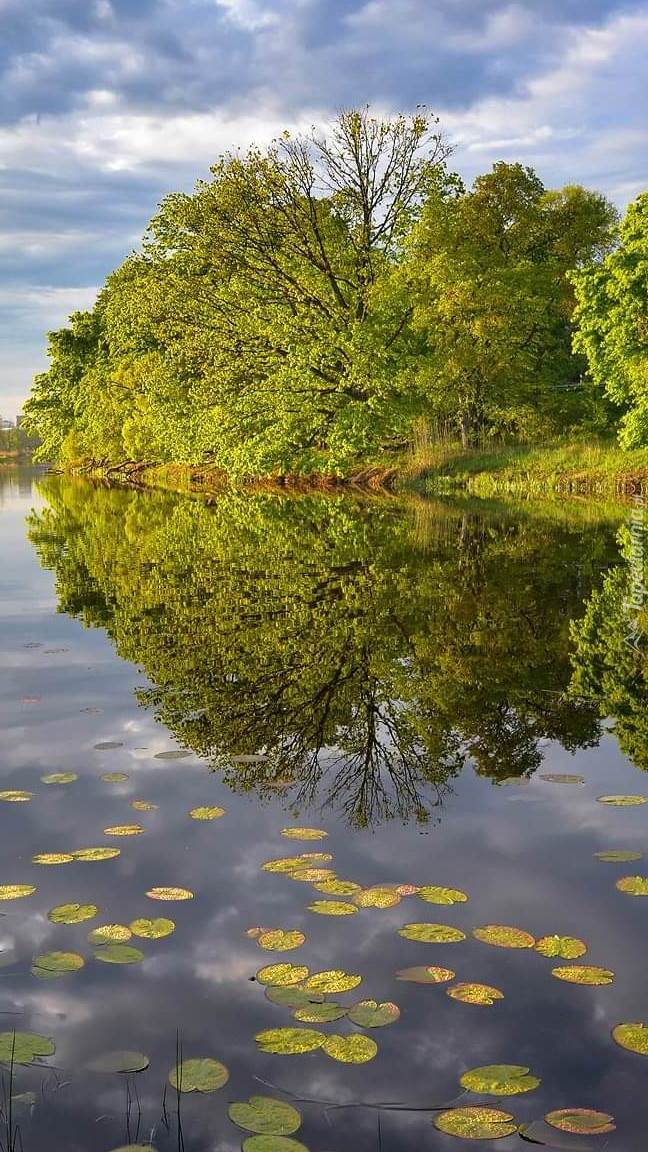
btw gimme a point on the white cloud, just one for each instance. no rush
(248, 14)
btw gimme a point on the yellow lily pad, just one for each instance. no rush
(581, 1121)
(16, 891)
(92, 854)
(59, 778)
(377, 897)
(52, 858)
(618, 856)
(337, 887)
(152, 929)
(503, 936)
(319, 1013)
(311, 875)
(370, 1014)
(280, 941)
(143, 806)
(204, 813)
(169, 894)
(432, 933)
(110, 934)
(634, 1037)
(583, 974)
(623, 801)
(426, 975)
(434, 895)
(475, 993)
(567, 947)
(289, 864)
(476, 1123)
(332, 981)
(499, 1080)
(115, 777)
(72, 913)
(633, 885)
(289, 1041)
(282, 974)
(124, 830)
(332, 908)
(350, 1049)
(15, 796)
(304, 833)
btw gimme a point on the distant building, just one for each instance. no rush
(5, 425)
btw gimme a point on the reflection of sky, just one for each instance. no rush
(524, 854)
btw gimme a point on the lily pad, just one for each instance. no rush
(633, 885)
(304, 833)
(332, 981)
(312, 875)
(170, 894)
(291, 996)
(54, 965)
(370, 1014)
(618, 856)
(72, 913)
(152, 929)
(476, 1123)
(581, 1121)
(52, 858)
(319, 1013)
(567, 947)
(475, 993)
(204, 813)
(124, 830)
(110, 934)
(93, 854)
(106, 745)
(115, 777)
(356, 1049)
(332, 908)
(134, 1148)
(118, 954)
(426, 975)
(634, 1037)
(284, 974)
(280, 941)
(173, 754)
(266, 1115)
(434, 895)
(377, 897)
(623, 801)
(143, 806)
(503, 936)
(432, 933)
(264, 1143)
(24, 1047)
(120, 1062)
(561, 778)
(290, 864)
(499, 1080)
(16, 891)
(59, 778)
(289, 1041)
(203, 1075)
(583, 974)
(337, 887)
(15, 796)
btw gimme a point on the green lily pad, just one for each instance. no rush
(304, 833)
(115, 777)
(332, 908)
(311, 875)
(503, 936)
(173, 754)
(377, 897)
(319, 1013)
(143, 806)
(54, 965)
(476, 1123)
(434, 895)
(567, 947)
(583, 974)
(290, 996)
(265, 1143)
(561, 778)
(16, 891)
(282, 974)
(426, 975)
(337, 887)
(52, 858)
(92, 854)
(72, 913)
(634, 1037)
(581, 1121)
(332, 981)
(499, 1080)
(618, 856)
(152, 929)
(265, 1115)
(124, 830)
(15, 796)
(203, 1075)
(59, 778)
(290, 864)
(110, 934)
(279, 941)
(204, 813)
(370, 1014)
(118, 954)
(432, 933)
(24, 1047)
(169, 894)
(633, 885)
(123, 1063)
(350, 1049)
(623, 801)
(475, 993)
(289, 1041)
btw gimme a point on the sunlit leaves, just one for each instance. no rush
(24, 1047)
(634, 1037)
(566, 947)
(623, 801)
(279, 940)
(356, 1049)
(124, 1063)
(52, 858)
(476, 1123)
(152, 929)
(633, 885)
(118, 954)
(370, 1014)
(16, 891)
(266, 1115)
(503, 936)
(282, 974)
(304, 833)
(377, 897)
(124, 830)
(426, 975)
(475, 993)
(199, 1075)
(59, 778)
(72, 913)
(92, 854)
(289, 1041)
(499, 1080)
(432, 933)
(332, 981)
(53, 965)
(434, 895)
(110, 934)
(204, 813)
(170, 894)
(581, 1121)
(583, 974)
(15, 796)
(332, 908)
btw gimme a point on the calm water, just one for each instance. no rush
(389, 674)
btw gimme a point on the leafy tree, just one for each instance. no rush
(612, 319)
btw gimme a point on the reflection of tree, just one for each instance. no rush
(610, 661)
(353, 654)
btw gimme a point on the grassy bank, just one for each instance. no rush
(578, 467)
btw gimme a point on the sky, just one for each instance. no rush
(107, 105)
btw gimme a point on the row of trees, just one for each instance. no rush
(306, 304)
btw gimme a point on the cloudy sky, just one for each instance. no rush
(107, 104)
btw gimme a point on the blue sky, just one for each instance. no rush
(105, 105)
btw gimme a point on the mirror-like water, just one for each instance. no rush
(402, 677)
